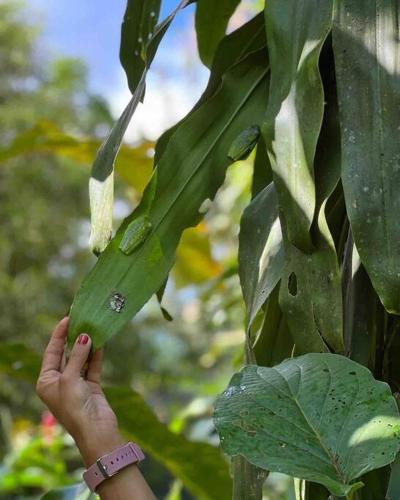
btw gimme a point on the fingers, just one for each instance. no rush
(78, 357)
(95, 366)
(54, 351)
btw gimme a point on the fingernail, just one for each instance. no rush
(83, 338)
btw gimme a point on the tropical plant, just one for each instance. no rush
(314, 84)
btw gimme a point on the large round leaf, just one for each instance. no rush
(319, 417)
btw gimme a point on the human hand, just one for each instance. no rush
(77, 402)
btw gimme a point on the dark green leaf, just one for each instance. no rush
(137, 28)
(200, 466)
(211, 22)
(320, 417)
(190, 171)
(375, 485)
(362, 310)
(367, 57)
(393, 492)
(295, 106)
(261, 255)
(274, 342)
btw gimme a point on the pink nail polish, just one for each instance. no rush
(83, 338)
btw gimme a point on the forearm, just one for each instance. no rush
(127, 483)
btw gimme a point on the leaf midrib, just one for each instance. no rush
(211, 147)
(310, 425)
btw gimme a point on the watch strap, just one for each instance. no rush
(111, 463)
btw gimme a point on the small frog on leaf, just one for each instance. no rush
(135, 234)
(244, 143)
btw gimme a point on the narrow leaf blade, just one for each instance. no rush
(190, 171)
(295, 107)
(211, 22)
(137, 28)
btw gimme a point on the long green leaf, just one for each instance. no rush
(367, 57)
(190, 171)
(137, 28)
(200, 466)
(261, 255)
(211, 22)
(310, 292)
(320, 417)
(295, 107)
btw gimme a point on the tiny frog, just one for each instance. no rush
(244, 143)
(135, 234)
(117, 302)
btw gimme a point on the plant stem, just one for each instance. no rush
(248, 480)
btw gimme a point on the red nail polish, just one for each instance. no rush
(83, 338)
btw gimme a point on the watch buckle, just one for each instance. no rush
(102, 468)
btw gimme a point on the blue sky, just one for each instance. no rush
(90, 30)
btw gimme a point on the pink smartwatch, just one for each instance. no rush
(111, 463)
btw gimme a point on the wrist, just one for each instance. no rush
(96, 443)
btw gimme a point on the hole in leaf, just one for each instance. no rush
(292, 284)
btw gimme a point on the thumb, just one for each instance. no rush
(78, 356)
